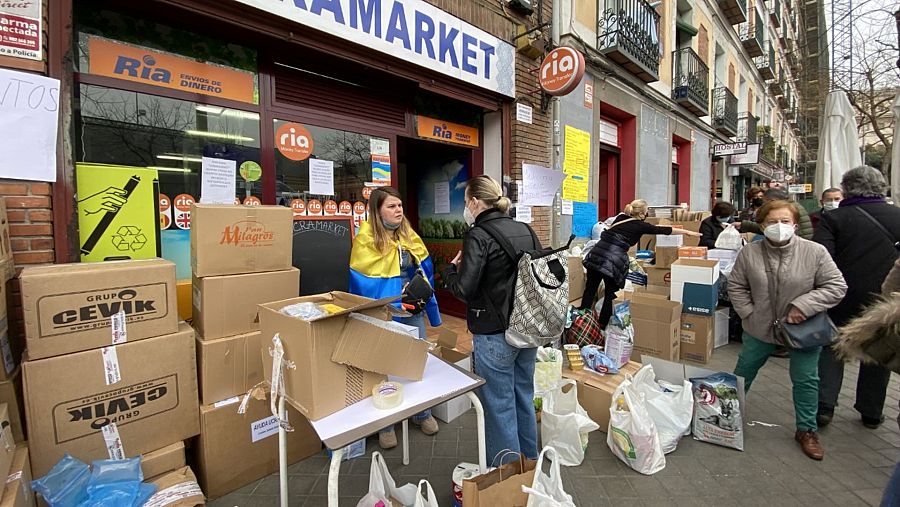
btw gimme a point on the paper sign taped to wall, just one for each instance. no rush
(29, 118)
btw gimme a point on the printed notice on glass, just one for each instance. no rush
(29, 109)
(523, 213)
(379, 146)
(217, 181)
(524, 113)
(576, 164)
(442, 198)
(20, 29)
(321, 177)
(539, 185)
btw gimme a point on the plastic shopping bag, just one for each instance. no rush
(382, 487)
(547, 490)
(717, 410)
(547, 369)
(430, 500)
(730, 239)
(565, 424)
(670, 406)
(632, 436)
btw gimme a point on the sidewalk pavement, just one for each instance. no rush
(772, 471)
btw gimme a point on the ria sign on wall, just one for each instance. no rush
(562, 70)
(412, 30)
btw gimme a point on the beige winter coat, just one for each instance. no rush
(892, 282)
(805, 277)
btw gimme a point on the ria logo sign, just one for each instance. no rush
(294, 141)
(562, 70)
(143, 68)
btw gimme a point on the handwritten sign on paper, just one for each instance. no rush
(321, 177)
(29, 119)
(584, 218)
(539, 185)
(576, 164)
(217, 181)
(523, 213)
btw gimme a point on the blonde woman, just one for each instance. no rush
(608, 259)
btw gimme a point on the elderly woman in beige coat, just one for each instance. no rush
(805, 281)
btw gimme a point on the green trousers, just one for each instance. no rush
(804, 371)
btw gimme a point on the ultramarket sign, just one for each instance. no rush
(20, 28)
(412, 30)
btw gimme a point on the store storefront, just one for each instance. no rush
(298, 117)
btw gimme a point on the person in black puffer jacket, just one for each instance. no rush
(482, 276)
(608, 259)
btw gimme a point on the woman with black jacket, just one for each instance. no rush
(711, 227)
(481, 276)
(608, 259)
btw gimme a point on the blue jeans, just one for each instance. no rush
(418, 321)
(507, 395)
(891, 496)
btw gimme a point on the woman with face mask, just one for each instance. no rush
(755, 198)
(711, 227)
(798, 279)
(386, 254)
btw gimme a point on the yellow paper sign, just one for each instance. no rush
(576, 164)
(118, 212)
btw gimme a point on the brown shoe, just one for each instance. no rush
(809, 442)
(387, 439)
(429, 426)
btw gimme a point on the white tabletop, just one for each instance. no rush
(442, 381)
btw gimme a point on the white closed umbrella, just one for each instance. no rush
(839, 142)
(895, 154)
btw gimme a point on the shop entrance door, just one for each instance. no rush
(432, 179)
(608, 190)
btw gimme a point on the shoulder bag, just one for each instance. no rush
(417, 292)
(880, 227)
(815, 331)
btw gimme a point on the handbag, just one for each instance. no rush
(815, 331)
(417, 292)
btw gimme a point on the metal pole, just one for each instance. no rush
(554, 125)
(282, 454)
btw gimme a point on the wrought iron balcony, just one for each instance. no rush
(777, 85)
(724, 111)
(775, 12)
(628, 33)
(690, 81)
(765, 64)
(747, 127)
(735, 10)
(751, 34)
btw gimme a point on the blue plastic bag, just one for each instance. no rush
(596, 360)
(118, 494)
(144, 493)
(113, 471)
(65, 485)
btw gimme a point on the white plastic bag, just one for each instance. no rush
(632, 436)
(547, 490)
(730, 239)
(382, 487)
(565, 424)
(671, 407)
(547, 370)
(430, 501)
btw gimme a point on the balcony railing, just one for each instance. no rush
(747, 127)
(777, 85)
(724, 107)
(628, 33)
(765, 64)
(690, 81)
(751, 34)
(735, 10)
(775, 12)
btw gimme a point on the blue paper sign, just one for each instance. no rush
(584, 216)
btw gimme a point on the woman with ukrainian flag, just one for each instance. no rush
(387, 253)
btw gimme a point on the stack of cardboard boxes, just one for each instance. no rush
(109, 371)
(241, 257)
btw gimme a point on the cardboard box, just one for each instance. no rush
(657, 326)
(228, 239)
(665, 256)
(697, 338)
(184, 295)
(147, 389)
(9, 357)
(692, 252)
(595, 391)
(18, 492)
(695, 271)
(446, 343)
(234, 450)
(179, 489)
(669, 240)
(68, 307)
(677, 373)
(160, 461)
(696, 298)
(7, 265)
(648, 241)
(7, 444)
(661, 277)
(722, 317)
(576, 278)
(228, 367)
(11, 394)
(323, 349)
(693, 226)
(227, 305)
(653, 290)
(725, 257)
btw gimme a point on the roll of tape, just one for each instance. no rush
(387, 395)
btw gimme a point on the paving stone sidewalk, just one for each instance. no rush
(771, 472)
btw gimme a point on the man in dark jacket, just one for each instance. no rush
(861, 236)
(831, 199)
(804, 227)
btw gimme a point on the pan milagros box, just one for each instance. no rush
(72, 307)
(229, 240)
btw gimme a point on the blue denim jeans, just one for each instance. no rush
(419, 322)
(507, 395)
(891, 496)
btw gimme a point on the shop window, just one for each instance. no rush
(324, 171)
(125, 128)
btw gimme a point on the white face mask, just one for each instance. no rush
(468, 216)
(831, 205)
(779, 233)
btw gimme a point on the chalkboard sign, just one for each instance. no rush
(322, 253)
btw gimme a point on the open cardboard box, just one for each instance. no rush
(595, 390)
(338, 358)
(445, 349)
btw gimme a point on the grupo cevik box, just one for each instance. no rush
(226, 305)
(124, 400)
(341, 355)
(70, 307)
(229, 239)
